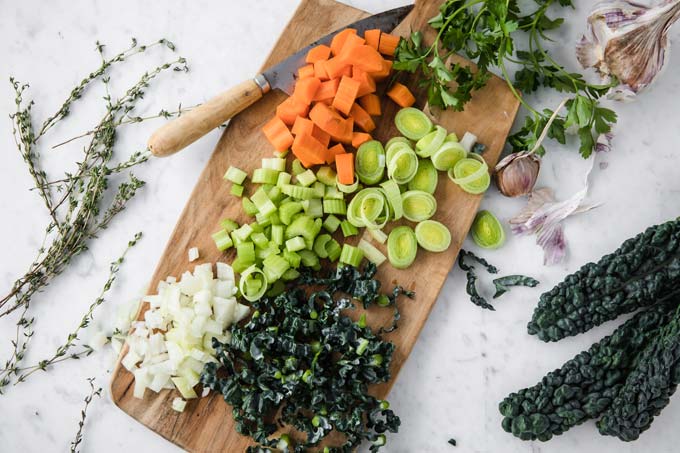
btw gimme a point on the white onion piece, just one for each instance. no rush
(193, 254)
(170, 347)
(468, 141)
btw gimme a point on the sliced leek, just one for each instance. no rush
(370, 162)
(412, 123)
(433, 236)
(471, 174)
(393, 195)
(418, 205)
(427, 145)
(371, 253)
(402, 247)
(253, 283)
(403, 165)
(426, 177)
(448, 155)
(487, 231)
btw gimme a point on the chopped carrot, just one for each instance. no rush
(330, 121)
(320, 135)
(372, 37)
(306, 71)
(350, 43)
(383, 73)
(344, 163)
(401, 95)
(336, 68)
(388, 44)
(320, 70)
(305, 89)
(309, 150)
(290, 109)
(360, 137)
(367, 84)
(364, 57)
(302, 126)
(362, 118)
(347, 93)
(278, 134)
(320, 52)
(371, 103)
(339, 40)
(327, 90)
(337, 149)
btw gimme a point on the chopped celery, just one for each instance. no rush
(265, 176)
(240, 265)
(288, 210)
(295, 244)
(277, 234)
(308, 258)
(320, 245)
(333, 249)
(264, 220)
(313, 208)
(371, 253)
(293, 258)
(260, 240)
(334, 193)
(333, 206)
(284, 178)
(222, 240)
(274, 266)
(236, 190)
(306, 178)
(276, 288)
(235, 175)
(319, 189)
(299, 192)
(290, 274)
(304, 226)
(378, 235)
(331, 223)
(257, 228)
(274, 163)
(275, 194)
(228, 225)
(297, 167)
(248, 206)
(243, 233)
(262, 202)
(281, 154)
(326, 175)
(351, 255)
(348, 229)
(246, 252)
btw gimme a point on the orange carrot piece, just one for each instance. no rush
(330, 121)
(360, 137)
(362, 118)
(306, 71)
(388, 44)
(344, 163)
(372, 37)
(327, 90)
(364, 57)
(321, 135)
(383, 73)
(371, 103)
(350, 43)
(320, 70)
(278, 134)
(302, 126)
(401, 95)
(347, 93)
(337, 149)
(320, 52)
(305, 89)
(339, 40)
(290, 109)
(309, 150)
(336, 68)
(367, 84)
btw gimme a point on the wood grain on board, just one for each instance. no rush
(206, 425)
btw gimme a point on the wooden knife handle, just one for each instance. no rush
(189, 127)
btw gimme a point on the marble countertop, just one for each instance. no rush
(466, 360)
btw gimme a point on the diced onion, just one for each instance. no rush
(193, 254)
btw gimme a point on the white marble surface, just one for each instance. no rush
(466, 360)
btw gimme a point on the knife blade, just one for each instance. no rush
(282, 75)
(181, 132)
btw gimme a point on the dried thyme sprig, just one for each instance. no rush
(75, 202)
(61, 353)
(83, 415)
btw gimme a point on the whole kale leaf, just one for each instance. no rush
(585, 386)
(648, 388)
(300, 361)
(642, 271)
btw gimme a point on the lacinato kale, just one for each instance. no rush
(648, 388)
(642, 271)
(300, 361)
(585, 386)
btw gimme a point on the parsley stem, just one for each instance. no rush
(506, 77)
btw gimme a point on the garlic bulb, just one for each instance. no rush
(628, 41)
(516, 174)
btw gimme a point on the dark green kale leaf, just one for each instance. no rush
(503, 284)
(585, 386)
(300, 361)
(642, 271)
(648, 388)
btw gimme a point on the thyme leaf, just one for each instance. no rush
(83, 415)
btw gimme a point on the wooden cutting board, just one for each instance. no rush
(206, 425)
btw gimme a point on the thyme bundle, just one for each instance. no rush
(83, 415)
(76, 204)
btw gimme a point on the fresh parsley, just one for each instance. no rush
(491, 33)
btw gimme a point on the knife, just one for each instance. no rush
(181, 132)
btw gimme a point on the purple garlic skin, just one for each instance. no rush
(517, 173)
(628, 40)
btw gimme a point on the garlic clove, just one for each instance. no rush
(516, 174)
(628, 41)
